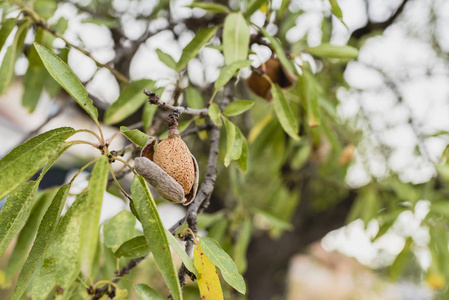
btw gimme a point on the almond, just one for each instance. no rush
(173, 156)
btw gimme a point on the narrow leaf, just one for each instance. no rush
(136, 136)
(155, 234)
(28, 232)
(5, 30)
(242, 161)
(25, 160)
(332, 51)
(214, 114)
(44, 237)
(284, 113)
(208, 281)
(45, 8)
(119, 229)
(235, 38)
(212, 7)
(192, 49)
(63, 75)
(147, 115)
(241, 246)
(194, 98)
(230, 71)
(279, 50)
(60, 266)
(135, 247)
(224, 262)
(15, 212)
(64, 250)
(129, 101)
(336, 10)
(237, 107)
(108, 22)
(230, 141)
(91, 218)
(253, 5)
(9, 60)
(166, 59)
(144, 292)
(181, 253)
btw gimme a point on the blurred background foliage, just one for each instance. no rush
(368, 97)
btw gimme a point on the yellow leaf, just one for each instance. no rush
(436, 281)
(208, 282)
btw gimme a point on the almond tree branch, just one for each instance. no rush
(371, 26)
(122, 78)
(154, 99)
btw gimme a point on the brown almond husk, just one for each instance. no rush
(274, 69)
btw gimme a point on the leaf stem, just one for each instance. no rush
(118, 184)
(91, 132)
(82, 169)
(78, 142)
(113, 137)
(124, 162)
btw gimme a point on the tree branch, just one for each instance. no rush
(371, 26)
(154, 99)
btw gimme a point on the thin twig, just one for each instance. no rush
(154, 99)
(116, 73)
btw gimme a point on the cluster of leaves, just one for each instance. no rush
(295, 129)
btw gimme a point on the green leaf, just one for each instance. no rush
(309, 90)
(237, 107)
(108, 22)
(135, 247)
(332, 51)
(214, 114)
(45, 8)
(166, 59)
(192, 49)
(136, 136)
(279, 50)
(252, 7)
(67, 242)
(181, 253)
(5, 30)
(194, 98)
(235, 38)
(129, 101)
(9, 60)
(60, 266)
(15, 213)
(62, 73)
(242, 161)
(144, 292)
(155, 234)
(241, 246)
(33, 83)
(25, 160)
(91, 218)
(273, 220)
(284, 113)
(336, 10)
(28, 233)
(119, 229)
(233, 144)
(402, 259)
(224, 262)
(44, 237)
(148, 114)
(230, 71)
(212, 7)
(230, 139)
